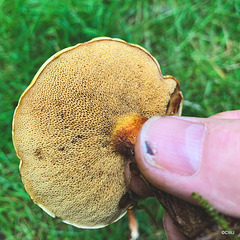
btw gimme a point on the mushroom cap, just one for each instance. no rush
(62, 128)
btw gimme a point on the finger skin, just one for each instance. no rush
(218, 177)
(171, 230)
(140, 187)
(227, 115)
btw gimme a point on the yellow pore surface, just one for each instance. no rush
(63, 125)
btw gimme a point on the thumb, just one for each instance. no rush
(182, 155)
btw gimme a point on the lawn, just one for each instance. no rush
(195, 41)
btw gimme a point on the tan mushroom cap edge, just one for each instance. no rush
(45, 208)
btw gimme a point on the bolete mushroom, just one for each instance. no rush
(71, 123)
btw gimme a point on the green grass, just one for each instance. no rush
(195, 41)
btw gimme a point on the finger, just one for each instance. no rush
(171, 230)
(185, 155)
(227, 115)
(138, 185)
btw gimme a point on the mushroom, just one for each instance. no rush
(72, 127)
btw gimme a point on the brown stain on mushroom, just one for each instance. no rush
(70, 111)
(175, 104)
(38, 153)
(125, 131)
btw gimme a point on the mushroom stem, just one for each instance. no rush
(133, 225)
(194, 222)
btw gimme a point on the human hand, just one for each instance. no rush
(182, 155)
